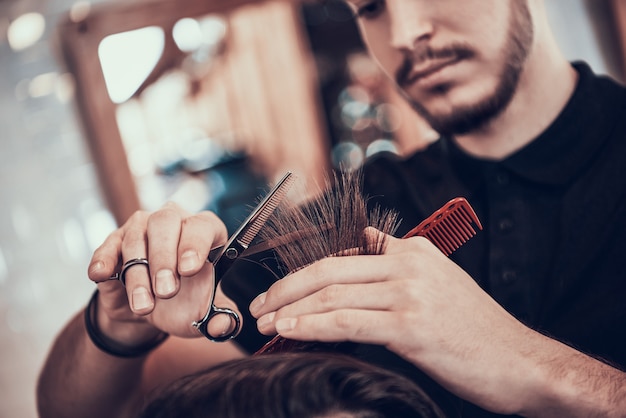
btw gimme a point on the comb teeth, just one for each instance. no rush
(449, 227)
(282, 187)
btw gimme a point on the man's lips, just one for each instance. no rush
(426, 62)
(427, 69)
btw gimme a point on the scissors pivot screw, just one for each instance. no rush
(232, 253)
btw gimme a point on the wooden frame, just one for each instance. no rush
(287, 102)
(619, 13)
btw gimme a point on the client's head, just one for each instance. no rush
(292, 385)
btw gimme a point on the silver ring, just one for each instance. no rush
(130, 263)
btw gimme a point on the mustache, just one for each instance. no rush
(424, 53)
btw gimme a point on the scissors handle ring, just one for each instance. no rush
(202, 325)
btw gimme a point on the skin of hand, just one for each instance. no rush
(416, 302)
(175, 289)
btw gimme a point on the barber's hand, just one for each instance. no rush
(416, 302)
(176, 288)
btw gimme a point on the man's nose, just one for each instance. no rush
(411, 24)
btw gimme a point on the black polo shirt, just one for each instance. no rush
(554, 215)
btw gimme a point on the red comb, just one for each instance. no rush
(449, 227)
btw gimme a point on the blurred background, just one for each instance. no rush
(111, 106)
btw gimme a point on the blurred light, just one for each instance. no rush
(364, 71)
(347, 156)
(355, 115)
(152, 194)
(64, 87)
(130, 119)
(191, 195)
(26, 30)
(187, 34)
(380, 145)
(98, 225)
(42, 85)
(388, 117)
(140, 160)
(79, 11)
(354, 94)
(127, 59)
(197, 151)
(192, 34)
(213, 29)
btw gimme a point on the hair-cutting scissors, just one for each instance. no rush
(223, 257)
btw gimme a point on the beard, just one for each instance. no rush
(470, 118)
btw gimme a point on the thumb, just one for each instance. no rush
(379, 242)
(224, 324)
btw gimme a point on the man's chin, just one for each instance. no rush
(450, 115)
(455, 122)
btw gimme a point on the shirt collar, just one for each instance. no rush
(575, 136)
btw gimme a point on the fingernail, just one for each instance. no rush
(257, 303)
(265, 321)
(96, 267)
(188, 261)
(228, 326)
(285, 325)
(165, 282)
(141, 299)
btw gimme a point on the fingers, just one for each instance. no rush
(388, 283)
(106, 259)
(175, 243)
(137, 278)
(199, 234)
(179, 244)
(377, 296)
(331, 270)
(163, 232)
(370, 327)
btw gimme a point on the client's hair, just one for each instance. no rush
(292, 385)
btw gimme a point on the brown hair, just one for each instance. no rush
(331, 224)
(292, 385)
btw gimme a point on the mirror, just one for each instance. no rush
(205, 103)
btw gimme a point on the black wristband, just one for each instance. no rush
(111, 347)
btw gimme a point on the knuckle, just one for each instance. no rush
(274, 292)
(411, 292)
(133, 240)
(348, 325)
(201, 220)
(138, 217)
(136, 225)
(171, 205)
(407, 319)
(344, 320)
(321, 269)
(163, 215)
(328, 295)
(410, 260)
(208, 215)
(417, 243)
(426, 246)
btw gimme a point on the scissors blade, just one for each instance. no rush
(223, 257)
